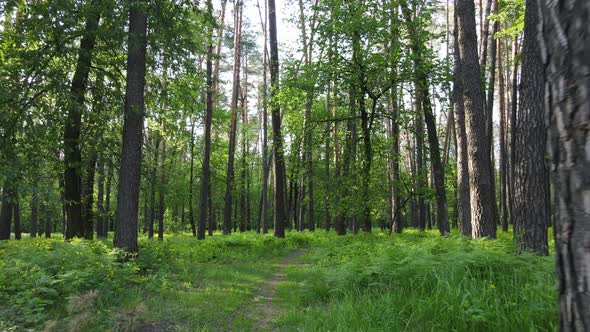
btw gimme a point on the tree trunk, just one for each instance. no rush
(162, 187)
(88, 196)
(265, 163)
(100, 222)
(191, 209)
(154, 183)
(47, 222)
(206, 168)
(215, 76)
(129, 175)
(513, 109)
(565, 47)
(277, 137)
(16, 217)
(227, 215)
(503, 153)
(530, 211)
(421, 181)
(6, 211)
(307, 128)
(327, 187)
(422, 87)
(107, 205)
(34, 215)
(72, 156)
(478, 152)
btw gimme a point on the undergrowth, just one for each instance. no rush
(48, 283)
(409, 282)
(420, 282)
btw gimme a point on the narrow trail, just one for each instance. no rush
(263, 308)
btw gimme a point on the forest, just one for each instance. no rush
(301, 165)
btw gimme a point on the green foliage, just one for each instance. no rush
(42, 279)
(412, 281)
(420, 281)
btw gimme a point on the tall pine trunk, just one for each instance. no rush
(72, 155)
(277, 137)
(478, 152)
(130, 172)
(565, 49)
(227, 211)
(206, 170)
(530, 210)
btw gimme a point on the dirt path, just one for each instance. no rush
(262, 310)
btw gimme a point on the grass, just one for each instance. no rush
(410, 282)
(420, 282)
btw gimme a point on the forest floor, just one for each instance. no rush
(264, 308)
(250, 282)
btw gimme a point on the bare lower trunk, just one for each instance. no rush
(206, 169)
(277, 141)
(227, 215)
(129, 175)
(72, 154)
(530, 211)
(478, 152)
(565, 49)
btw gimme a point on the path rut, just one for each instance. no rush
(263, 309)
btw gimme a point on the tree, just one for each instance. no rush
(478, 152)
(72, 154)
(128, 193)
(206, 173)
(421, 83)
(530, 210)
(565, 48)
(227, 217)
(463, 198)
(6, 212)
(280, 214)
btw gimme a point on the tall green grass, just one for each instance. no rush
(420, 282)
(410, 282)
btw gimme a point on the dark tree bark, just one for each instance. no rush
(485, 32)
(503, 142)
(101, 230)
(191, 209)
(215, 81)
(154, 183)
(162, 188)
(47, 221)
(307, 135)
(489, 105)
(263, 218)
(72, 156)
(513, 109)
(16, 218)
(565, 47)
(88, 197)
(129, 175)
(107, 205)
(421, 82)
(34, 215)
(6, 211)
(206, 169)
(227, 211)
(243, 196)
(328, 153)
(421, 181)
(530, 211)
(478, 151)
(277, 137)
